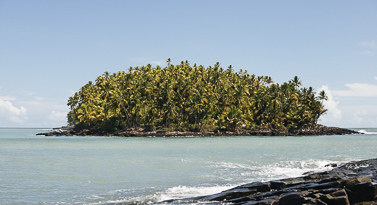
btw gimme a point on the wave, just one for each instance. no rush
(180, 192)
(241, 174)
(152, 195)
(277, 170)
(363, 131)
(252, 172)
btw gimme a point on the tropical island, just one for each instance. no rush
(180, 100)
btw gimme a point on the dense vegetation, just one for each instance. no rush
(193, 98)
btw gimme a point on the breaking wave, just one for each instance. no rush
(253, 172)
(367, 132)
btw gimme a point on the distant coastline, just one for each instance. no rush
(317, 130)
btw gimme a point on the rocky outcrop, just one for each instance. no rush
(351, 183)
(317, 130)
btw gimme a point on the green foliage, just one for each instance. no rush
(183, 97)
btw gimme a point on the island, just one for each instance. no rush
(185, 100)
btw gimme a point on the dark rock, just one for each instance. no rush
(259, 186)
(262, 202)
(341, 192)
(330, 190)
(292, 199)
(339, 200)
(331, 165)
(350, 183)
(311, 201)
(318, 186)
(230, 194)
(364, 191)
(316, 130)
(277, 184)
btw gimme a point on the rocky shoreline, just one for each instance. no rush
(350, 183)
(318, 130)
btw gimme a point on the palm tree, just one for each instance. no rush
(181, 97)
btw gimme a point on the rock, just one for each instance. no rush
(331, 165)
(350, 183)
(259, 186)
(292, 199)
(364, 191)
(277, 184)
(230, 194)
(339, 200)
(316, 130)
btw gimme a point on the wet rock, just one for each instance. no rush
(350, 183)
(230, 194)
(277, 184)
(359, 192)
(336, 200)
(292, 199)
(331, 165)
(259, 186)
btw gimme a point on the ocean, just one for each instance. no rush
(146, 170)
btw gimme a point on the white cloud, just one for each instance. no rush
(358, 90)
(360, 116)
(57, 116)
(12, 113)
(34, 96)
(368, 53)
(7, 98)
(157, 63)
(370, 47)
(333, 112)
(368, 44)
(355, 110)
(38, 98)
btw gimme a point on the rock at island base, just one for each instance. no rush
(317, 130)
(350, 183)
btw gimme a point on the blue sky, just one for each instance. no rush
(49, 49)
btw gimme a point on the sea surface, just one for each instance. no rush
(146, 170)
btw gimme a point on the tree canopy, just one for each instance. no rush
(193, 98)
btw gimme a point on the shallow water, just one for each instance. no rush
(99, 170)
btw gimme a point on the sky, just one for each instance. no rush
(49, 49)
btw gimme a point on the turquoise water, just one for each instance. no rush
(100, 170)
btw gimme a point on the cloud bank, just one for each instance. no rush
(358, 90)
(12, 113)
(370, 46)
(57, 116)
(333, 112)
(357, 106)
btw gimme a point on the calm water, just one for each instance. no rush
(99, 170)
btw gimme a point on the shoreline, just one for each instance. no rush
(317, 130)
(350, 183)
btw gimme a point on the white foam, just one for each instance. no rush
(284, 169)
(366, 132)
(177, 192)
(287, 169)
(278, 170)
(44, 129)
(180, 192)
